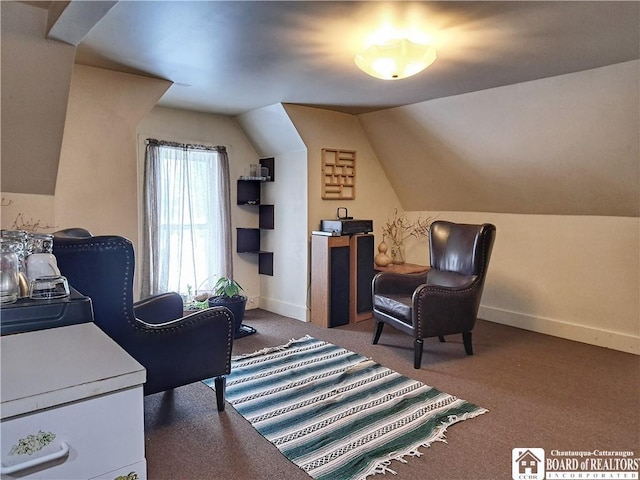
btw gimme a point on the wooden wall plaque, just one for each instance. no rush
(338, 174)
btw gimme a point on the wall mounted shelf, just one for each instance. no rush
(249, 193)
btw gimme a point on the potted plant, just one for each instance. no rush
(228, 293)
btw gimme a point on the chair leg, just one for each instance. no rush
(221, 385)
(441, 338)
(417, 353)
(376, 334)
(466, 339)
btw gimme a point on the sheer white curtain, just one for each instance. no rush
(187, 220)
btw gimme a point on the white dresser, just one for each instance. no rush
(72, 406)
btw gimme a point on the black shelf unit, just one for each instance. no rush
(249, 192)
(248, 239)
(266, 215)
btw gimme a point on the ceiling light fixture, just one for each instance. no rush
(395, 58)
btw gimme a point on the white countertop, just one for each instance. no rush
(51, 367)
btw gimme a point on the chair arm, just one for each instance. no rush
(398, 283)
(187, 323)
(159, 308)
(184, 350)
(444, 310)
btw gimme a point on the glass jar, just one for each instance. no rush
(40, 261)
(20, 238)
(39, 243)
(397, 252)
(41, 265)
(9, 271)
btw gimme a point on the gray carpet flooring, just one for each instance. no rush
(541, 392)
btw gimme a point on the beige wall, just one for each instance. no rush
(565, 145)
(576, 277)
(26, 211)
(97, 174)
(35, 85)
(375, 198)
(97, 177)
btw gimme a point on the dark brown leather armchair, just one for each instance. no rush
(175, 350)
(444, 300)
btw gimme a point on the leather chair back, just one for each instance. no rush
(461, 248)
(102, 268)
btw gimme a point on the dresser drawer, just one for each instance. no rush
(102, 434)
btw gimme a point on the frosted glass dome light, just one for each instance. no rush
(395, 59)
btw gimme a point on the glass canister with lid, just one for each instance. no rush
(20, 237)
(40, 261)
(9, 271)
(20, 245)
(39, 243)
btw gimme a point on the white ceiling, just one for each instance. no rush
(233, 57)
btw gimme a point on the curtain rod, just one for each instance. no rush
(187, 146)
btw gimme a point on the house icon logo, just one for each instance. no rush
(527, 463)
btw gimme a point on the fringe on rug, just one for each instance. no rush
(268, 350)
(439, 435)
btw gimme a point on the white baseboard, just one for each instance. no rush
(557, 328)
(283, 308)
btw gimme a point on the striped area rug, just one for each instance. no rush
(335, 413)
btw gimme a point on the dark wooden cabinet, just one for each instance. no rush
(341, 275)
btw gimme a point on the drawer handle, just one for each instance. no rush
(64, 451)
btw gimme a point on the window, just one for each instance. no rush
(186, 236)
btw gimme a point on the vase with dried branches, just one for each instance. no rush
(399, 229)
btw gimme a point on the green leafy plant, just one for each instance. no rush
(226, 287)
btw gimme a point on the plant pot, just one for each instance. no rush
(236, 304)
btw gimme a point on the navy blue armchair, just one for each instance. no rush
(175, 350)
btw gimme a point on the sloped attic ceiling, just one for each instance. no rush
(230, 57)
(567, 145)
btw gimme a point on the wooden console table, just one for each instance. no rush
(403, 268)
